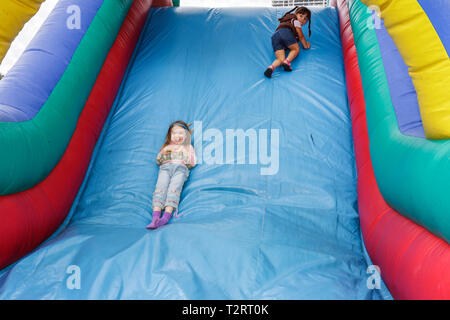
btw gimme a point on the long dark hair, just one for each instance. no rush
(301, 10)
(169, 132)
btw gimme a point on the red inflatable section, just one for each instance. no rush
(31, 216)
(414, 263)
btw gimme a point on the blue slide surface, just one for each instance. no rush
(273, 218)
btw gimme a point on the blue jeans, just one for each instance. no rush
(170, 183)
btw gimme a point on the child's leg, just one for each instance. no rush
(278, 47)
(295, 49)
(280, 54)
(169, 209)
(159, 196)
(174, 192)
(280, 57)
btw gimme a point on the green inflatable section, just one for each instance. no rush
(31, 149)
(413, 174)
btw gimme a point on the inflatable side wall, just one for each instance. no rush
(413, 261)
(49, 132)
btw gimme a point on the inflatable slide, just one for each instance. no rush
(328, 182)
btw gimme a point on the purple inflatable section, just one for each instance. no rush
(403, 93)
(438, 11)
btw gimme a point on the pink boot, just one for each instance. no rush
(155, 220)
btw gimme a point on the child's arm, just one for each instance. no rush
(159, 159)
(192, 158)
(306, 45)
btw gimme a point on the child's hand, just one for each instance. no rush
(308, 45)
(167, 149)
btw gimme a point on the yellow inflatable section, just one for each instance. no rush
(426, 58)
(13, 15)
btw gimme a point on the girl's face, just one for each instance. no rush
(177, 135)
(302, 18)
